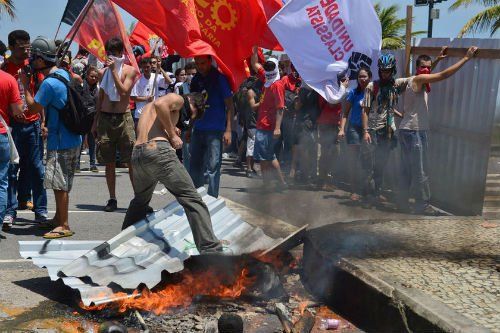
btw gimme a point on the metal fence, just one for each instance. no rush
(462, 112)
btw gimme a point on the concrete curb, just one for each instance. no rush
(388, 303)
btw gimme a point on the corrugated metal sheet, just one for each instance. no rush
(139, 254)
(462, 112)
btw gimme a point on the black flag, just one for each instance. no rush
(73, 9)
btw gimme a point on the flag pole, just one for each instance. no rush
(79, 22)
(57, 32)
(155, 82)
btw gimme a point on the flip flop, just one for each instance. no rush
(58, 234)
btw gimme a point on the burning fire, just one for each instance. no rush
(180, 294)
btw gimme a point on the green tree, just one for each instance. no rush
(7, 6)
(393, 27)
(488, 19)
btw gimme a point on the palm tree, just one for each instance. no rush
(487, 19)
(393, 36)
(8, 7)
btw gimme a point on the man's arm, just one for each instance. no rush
(254, 60)
(230, 113)
(163, 111)
(279, 119)
(421, 79)
(251, 99)
(364, 122)
(33, 107)
(345, 115)
(142, 98)
(442, 55)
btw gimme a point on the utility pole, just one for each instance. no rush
(430, 19)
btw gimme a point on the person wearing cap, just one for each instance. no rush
(63, 146)
(27, 176)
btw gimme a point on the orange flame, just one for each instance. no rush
(179, 294)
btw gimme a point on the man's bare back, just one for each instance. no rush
(159, 118)
(127, 78)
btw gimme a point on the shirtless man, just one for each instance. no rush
(154, 160)
(113, 125)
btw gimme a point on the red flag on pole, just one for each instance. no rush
(268, 39)
(225, 29)
(101, 22)
(142, 35)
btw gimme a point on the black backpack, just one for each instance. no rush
(76, 115)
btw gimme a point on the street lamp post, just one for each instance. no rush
(430, 19)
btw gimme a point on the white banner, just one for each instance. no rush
(325, 37)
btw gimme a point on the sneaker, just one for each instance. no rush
(41, 218)
(8, 221)
(28, 205)
(94, 168)
(280, 187)
(249, 174)
(84, 152)
(111, 206)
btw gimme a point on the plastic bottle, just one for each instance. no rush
(329, 324)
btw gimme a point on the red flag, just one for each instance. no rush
(225, 29)
(268, 39)
(102, 22)
(142, 35)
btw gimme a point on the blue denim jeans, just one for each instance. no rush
(91, 144)
(206, 155)
(29, 144)
(4, 173)
(414, 146)
(374, 158)
(186, 152)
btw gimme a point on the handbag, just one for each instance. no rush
(14, 155)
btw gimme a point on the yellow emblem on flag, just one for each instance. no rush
(217, 6)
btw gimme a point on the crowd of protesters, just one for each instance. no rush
(183, 123)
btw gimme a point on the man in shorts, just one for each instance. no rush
(154, 160)
(113, 125)
(63, 146)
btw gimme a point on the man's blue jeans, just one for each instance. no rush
(206, 154)
(414, 146)
(4, 173)
(29, 144)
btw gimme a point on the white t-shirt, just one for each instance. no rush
(416, 110)
(144, 87)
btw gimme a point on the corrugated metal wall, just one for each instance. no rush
(462, 112)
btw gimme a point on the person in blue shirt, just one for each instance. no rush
(214, 129)
(353, 111)
(63, 146)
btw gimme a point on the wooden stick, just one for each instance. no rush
(305, 324)
(284, 317)
(409, 21)
(141, 321)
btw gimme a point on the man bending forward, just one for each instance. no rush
(154, 160)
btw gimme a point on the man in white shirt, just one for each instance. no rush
(145, 89)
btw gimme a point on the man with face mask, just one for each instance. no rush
(269, 118)
(27, 128)
(113, 124)
(413, 132)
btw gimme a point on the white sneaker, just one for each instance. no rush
(8, 221)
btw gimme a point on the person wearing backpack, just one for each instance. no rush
(63, 145)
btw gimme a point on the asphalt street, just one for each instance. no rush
(25, 285)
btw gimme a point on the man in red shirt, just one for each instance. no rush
(10, 103)
(269, 117)
(27, 135)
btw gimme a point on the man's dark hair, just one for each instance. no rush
(145, 61)
(199, 100)
(190, 65)
(114, 44)
(3, 48)
(423, 57)
(18, 35)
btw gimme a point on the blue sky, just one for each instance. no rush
(42, 18)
